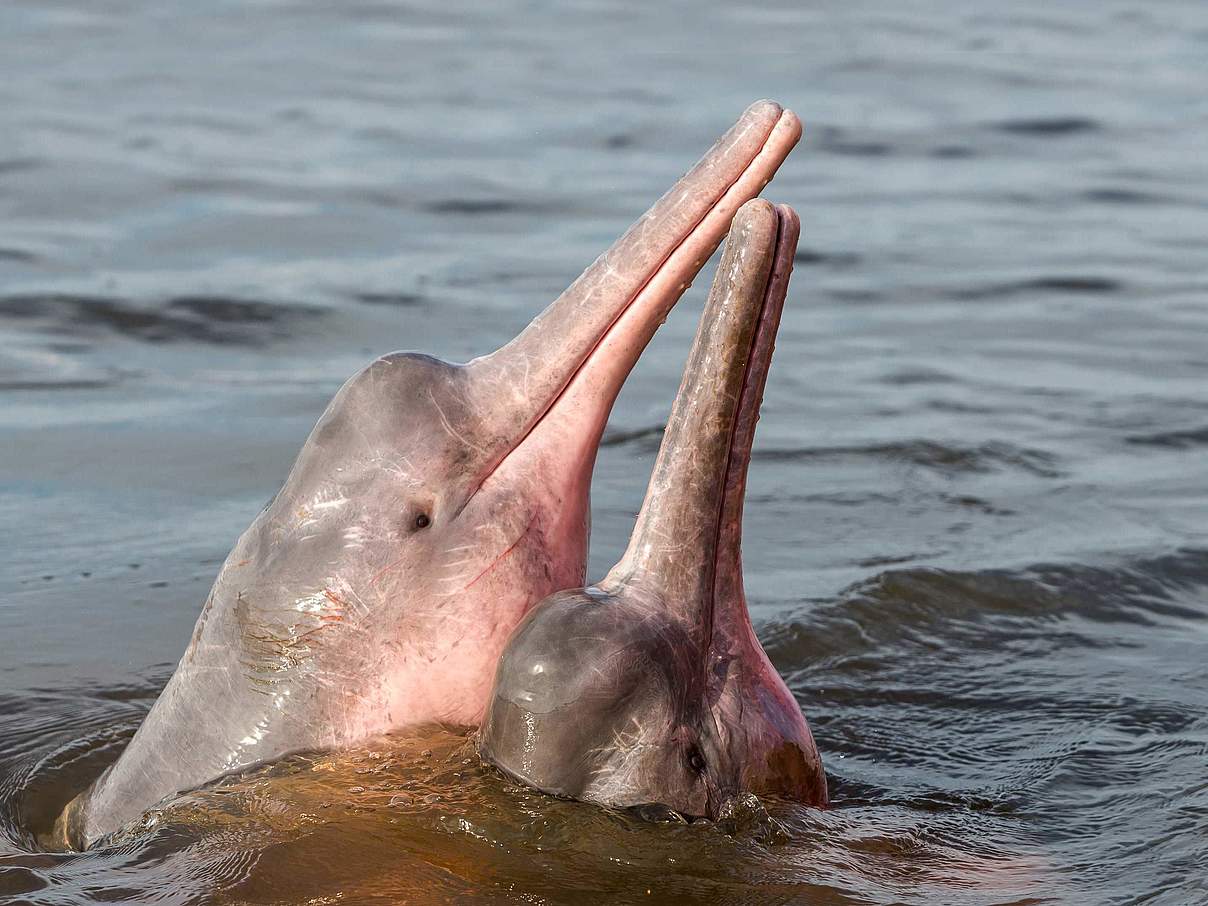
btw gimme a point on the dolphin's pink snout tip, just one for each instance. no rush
(769, 113)
(754, 210)
(764, 108)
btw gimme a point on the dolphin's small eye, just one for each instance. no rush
(696, 761)
(422, 521)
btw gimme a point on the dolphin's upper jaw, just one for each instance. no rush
(564, 371)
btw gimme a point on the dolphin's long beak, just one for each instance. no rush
(574, 357)
(684, 550)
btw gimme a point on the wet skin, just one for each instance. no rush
(651, 686)
(430, 508)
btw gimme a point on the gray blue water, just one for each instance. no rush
(977, 529)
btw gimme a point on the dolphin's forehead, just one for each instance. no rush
(400, 405)
(389, 445)
(587, 652)
(593, 700)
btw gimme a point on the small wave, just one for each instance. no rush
(891, 560)
(953, 152)
(1174, 440)
(617, 437)
(19, 164)
(859, 149)
(52, 384)
(988, 457)
(1048, 127)
(911, 376)
(1057, 284)
(924, 603)
(21, 879)
(475, 206)
(814, 257)
(833, 140)
(858, 296)
(1124, 197)
(56, 742)
(482, 207)
(394, 300)
(969, 502)
(204, 319)
(829, 498)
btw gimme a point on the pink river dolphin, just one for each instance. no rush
(431, 507)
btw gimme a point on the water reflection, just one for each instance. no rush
(978, 512)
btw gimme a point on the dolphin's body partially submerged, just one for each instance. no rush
(431, 507)
(651, 687)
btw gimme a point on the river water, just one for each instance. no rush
(977, 529)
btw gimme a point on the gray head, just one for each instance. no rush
(651, 687)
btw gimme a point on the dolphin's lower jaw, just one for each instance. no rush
(430, 508)
(665, 694)
(754, 708)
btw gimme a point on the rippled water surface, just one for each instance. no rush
(977, 532)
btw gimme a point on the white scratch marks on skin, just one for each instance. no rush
(356, 603)
(330, 504)
(370, 446)
(316, 603)
(617, 769)
(530, 741)
(238, 755)
(449, 427)
(355, 537)
(461, 570)
(453, 585)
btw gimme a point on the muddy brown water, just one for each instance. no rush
(977, 532)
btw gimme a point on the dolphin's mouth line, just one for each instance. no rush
(654, 273)
(749, 396)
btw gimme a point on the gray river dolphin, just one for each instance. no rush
(651, 688)
(430, 508)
